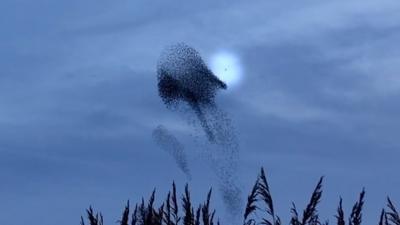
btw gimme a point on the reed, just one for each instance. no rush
(259, 210)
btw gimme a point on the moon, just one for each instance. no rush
(227, 67)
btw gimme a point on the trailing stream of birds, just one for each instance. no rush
(185, 83)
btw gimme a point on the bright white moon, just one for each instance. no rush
(226, 66)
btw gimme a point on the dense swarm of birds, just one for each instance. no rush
(185, 82)
(183, 76)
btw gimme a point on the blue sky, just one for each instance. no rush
(78, 98)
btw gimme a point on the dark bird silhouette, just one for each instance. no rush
(184, 77)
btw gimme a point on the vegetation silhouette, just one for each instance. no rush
(259, 210)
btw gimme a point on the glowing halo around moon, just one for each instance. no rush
(226, 66)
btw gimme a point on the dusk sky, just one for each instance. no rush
(318, 96)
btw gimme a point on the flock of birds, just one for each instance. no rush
(185, 82)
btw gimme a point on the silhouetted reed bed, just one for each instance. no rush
(259, 209)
